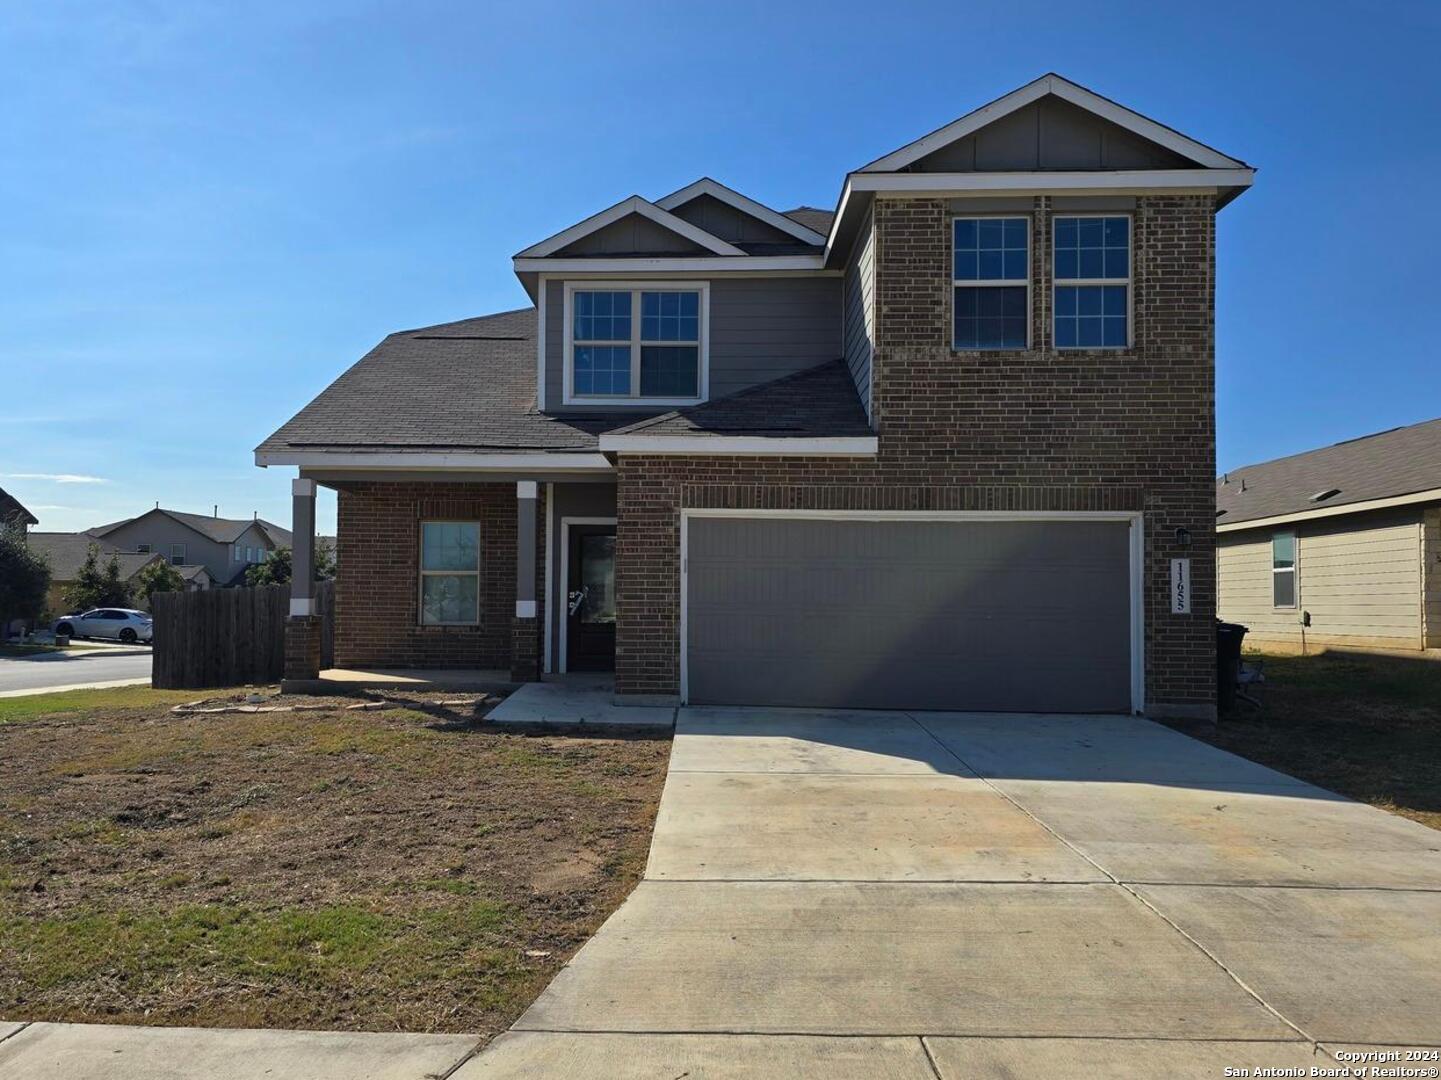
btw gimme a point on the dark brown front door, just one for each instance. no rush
(590, 601)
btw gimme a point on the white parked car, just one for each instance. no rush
(121, 624)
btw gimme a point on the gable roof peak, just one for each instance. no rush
(1052, 83)
(633, 204)
(744, 203)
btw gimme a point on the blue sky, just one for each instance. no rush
(213, 209)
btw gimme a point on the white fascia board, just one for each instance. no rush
(633, 205)
(1433, 495)
(465, 462)
(1042, 182)
(1065, 89)
(859, 446)
(716, 190)
(747, 264)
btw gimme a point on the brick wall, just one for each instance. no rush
(1120, 429)
(377, 589)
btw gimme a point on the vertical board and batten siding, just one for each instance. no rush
(860, 312)
(1358, 577)
(760, 329)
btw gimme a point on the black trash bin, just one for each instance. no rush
(1228, 663)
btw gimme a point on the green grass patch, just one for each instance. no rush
(323, 951)
(114, 699)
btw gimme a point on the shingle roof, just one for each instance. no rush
(820, 402)
(471, 385)
(812, 218)
(221, 530)
(11, 507)
(1401, 461)
(66, 554)
(189, 572)
(462, 385)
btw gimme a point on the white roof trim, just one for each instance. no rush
(1065, 89)
(709, 264)
(1129, 179)
(633, 205)
(1434, 495)
(468, 462)
(716, 190)
(858, 446)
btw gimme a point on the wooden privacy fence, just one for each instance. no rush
(219, 637)
(228, 637)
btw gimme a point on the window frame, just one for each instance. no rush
(635, 288)
(174, 559)
(1294, 570)
(1129, 281)
(422, 573)
(993, 215)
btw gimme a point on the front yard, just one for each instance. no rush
(1366, 726)
(407, 868)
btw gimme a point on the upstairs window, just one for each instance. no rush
(1092, 274)
(639, 344)
(177, 554)
(1283, 570)
(990, 281)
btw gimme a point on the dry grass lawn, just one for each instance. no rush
(412, 868)
(1366, 726)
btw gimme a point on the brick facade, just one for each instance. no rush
(377, 588)
(1113, 429)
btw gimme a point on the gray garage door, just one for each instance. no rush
(1015, 616)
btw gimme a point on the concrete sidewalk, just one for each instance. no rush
(104, 1052)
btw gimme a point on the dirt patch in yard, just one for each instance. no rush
(409, 867)
(1365, 726)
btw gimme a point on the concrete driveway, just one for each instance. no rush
(843, 895)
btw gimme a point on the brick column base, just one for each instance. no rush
(302, 647)
(525, 650)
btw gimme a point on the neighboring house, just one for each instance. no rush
(1337, 546)
(13, 513)
(937, 449)
(225, 547)
(66, 554)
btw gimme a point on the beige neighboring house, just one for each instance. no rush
(1336, 547)
(66, 554)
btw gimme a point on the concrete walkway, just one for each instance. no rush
(837, 894)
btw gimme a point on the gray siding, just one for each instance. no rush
(860, 311)
(760, 329)
(633, 235)
(731, 225)
(1358, 576)
(160, 531)
(1050, 134)
(569, 500)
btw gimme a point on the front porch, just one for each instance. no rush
(457, 581)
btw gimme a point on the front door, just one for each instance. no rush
(590, 599)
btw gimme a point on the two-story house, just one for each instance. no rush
(205, 549)
(938, 448)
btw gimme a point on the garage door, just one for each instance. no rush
(1029, 616)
